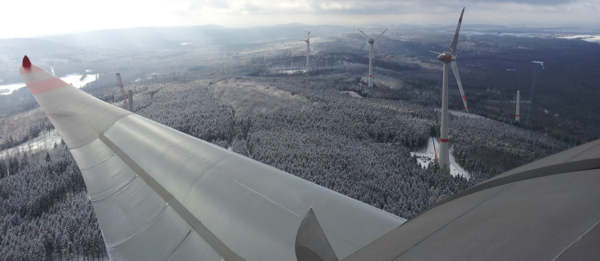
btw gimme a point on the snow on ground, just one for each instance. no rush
(587, 38)
(45, 141)
(351, 93)
(464, 114)
(426, 156)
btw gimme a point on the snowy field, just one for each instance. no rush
(73, 79)
(45, 141)
(463, 114)
(352, 94)
(587, 38)
(426, 157)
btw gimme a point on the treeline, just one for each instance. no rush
(31, 133)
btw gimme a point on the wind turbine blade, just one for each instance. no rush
(315, 28)
(462, 93)
(455, 41)
(435, 52)
(381, 34)
(303, 29)
(364, 34)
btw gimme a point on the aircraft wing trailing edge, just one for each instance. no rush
(160, 194)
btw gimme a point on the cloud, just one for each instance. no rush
(64, 16)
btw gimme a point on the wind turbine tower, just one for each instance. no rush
(448, 58)
(308, 49)
(371, 54)
(517, 115)
(532, 87)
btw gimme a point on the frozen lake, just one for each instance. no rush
(73, 79)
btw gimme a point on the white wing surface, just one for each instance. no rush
(160, 194)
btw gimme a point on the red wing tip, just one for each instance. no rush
(26, 62)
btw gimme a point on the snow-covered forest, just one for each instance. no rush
(44, 209)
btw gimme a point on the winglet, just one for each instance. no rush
(311, 242)
(26, 62)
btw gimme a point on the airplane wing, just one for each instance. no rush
(545, 210)
(160, 194)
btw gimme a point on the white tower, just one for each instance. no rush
(517, 115)
(371, 54)
(308, 48)
(449, 58)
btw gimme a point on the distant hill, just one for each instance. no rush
(175, 37)
(14, 49)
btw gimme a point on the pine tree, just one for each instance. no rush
(24, 161)
(48, 157)
(3, 170)
(13, 166)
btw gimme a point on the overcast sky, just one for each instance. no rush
(44, 17)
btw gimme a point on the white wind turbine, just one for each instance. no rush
(371, 54)
(308, 48)
(449, 58)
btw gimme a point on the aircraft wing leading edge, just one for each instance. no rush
(160, 194)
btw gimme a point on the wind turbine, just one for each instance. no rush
(308, 47)
(532, 87)
(371, 54)
(449, 57)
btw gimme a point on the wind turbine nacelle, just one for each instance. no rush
(371, 41)
(446, 57)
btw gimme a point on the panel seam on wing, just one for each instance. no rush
(116, 192)
(99, 134)
(588, 164)
(582, 152)
(181, 210)
(451, 221)
(113, 246)
(178, 245)
(208, 169)
(99, 163)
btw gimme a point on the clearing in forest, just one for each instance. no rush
(249, 98)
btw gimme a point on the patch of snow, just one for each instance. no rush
(584, 37)
(45, 141)
(426, 157)
(351, 93)
(464, 114)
